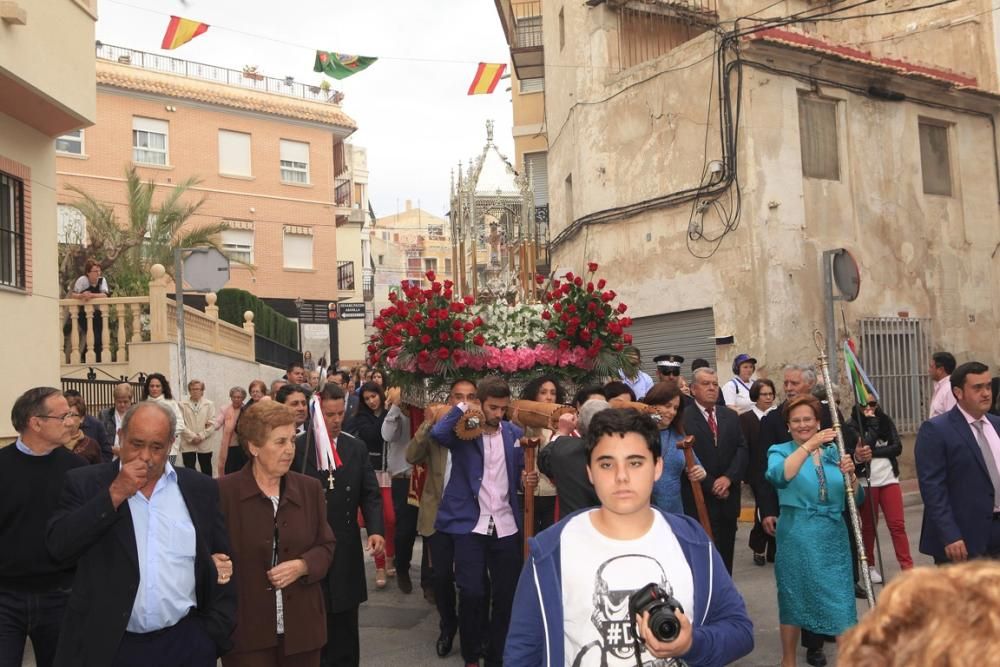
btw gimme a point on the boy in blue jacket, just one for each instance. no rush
(574, 611)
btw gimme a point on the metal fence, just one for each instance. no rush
(894, 352)
(273, 353)
(248, 78)
(100, 394)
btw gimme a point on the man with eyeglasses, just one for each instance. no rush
(34, 586)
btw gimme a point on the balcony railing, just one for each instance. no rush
(247, 78)
(345, 276)
(342, 192)
(527, 25)
(101, 331)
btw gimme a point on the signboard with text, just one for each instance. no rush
(351, 311)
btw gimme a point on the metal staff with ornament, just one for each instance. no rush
(852, 508)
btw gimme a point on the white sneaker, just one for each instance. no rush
(876, 577)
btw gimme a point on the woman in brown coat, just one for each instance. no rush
(282, 547)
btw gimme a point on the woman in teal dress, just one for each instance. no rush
(813, 564)
(666, 400)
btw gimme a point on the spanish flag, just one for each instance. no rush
(181, 31)
(486, 79)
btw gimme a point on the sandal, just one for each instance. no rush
(391, 571)
(380, 580)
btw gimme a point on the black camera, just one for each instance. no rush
(660, 605)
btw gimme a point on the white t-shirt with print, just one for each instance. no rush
(598, 575)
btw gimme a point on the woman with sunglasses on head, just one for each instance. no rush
(666, 400)
(880, 437)
(762, 393)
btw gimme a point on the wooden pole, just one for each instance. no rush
(530, 446)
(685, 445)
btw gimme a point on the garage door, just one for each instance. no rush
(689, 333)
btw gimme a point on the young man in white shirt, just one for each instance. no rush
(574, 610)
(941, 367)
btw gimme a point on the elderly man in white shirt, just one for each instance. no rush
(941, 367)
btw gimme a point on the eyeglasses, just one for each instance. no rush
(62, 418)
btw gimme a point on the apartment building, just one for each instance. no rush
(46, 90)
(269, 155)
(716, 175)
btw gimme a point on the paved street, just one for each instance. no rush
(399, 630)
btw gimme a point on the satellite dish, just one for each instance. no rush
(846, 275)
(206, 269)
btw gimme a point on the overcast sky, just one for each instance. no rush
(411, 107)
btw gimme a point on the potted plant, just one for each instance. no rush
(250, 72)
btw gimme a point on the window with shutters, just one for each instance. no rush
(71, 225)
(150, 141)
(527, 86)
(298, 249)
(294, 162)
(70, 143)
(894, 353)
(818, 138)
(435, 232)
(536, 165)
(935, 160)
(234, 153)
(431, 264)
(237, 244)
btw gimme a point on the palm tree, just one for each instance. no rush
(150, 235)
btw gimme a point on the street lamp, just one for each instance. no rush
(299, 302)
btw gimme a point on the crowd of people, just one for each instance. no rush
(118, 555)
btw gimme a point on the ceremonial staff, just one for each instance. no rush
(686, 444)
(852, 508)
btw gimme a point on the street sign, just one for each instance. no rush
(351, 311)
(206, 269)
(846, 275)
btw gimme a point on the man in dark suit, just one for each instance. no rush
(719, 444)
(111, 418)
(341, 463)
(146, 592)
(958, 454)
(343, 379)
(481, 512)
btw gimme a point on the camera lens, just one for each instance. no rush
(664, 625)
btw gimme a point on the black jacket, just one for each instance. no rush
(367, 427)
(725, 457)
(95, 428)
(88, 528)
(879, 432)
(564, 461)
(355, 487)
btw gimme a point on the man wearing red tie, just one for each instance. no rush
(719, 445)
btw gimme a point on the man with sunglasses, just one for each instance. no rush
(668, 371)
(34, 587)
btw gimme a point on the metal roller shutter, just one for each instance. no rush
(690, 333)
(537, 164)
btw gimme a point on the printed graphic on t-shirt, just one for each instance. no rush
(607, 638)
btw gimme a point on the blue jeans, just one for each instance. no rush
(34, 615)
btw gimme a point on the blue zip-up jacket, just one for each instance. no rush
(722, 631)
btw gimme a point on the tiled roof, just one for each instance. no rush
(143, 80)
(802, 42)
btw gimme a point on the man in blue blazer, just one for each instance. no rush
(480, 511)
(958, 454)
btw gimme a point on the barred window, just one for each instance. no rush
(12, 231)
(894, 352)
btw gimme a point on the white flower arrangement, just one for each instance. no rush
(512, 326)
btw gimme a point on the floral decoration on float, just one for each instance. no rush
(429, 336)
